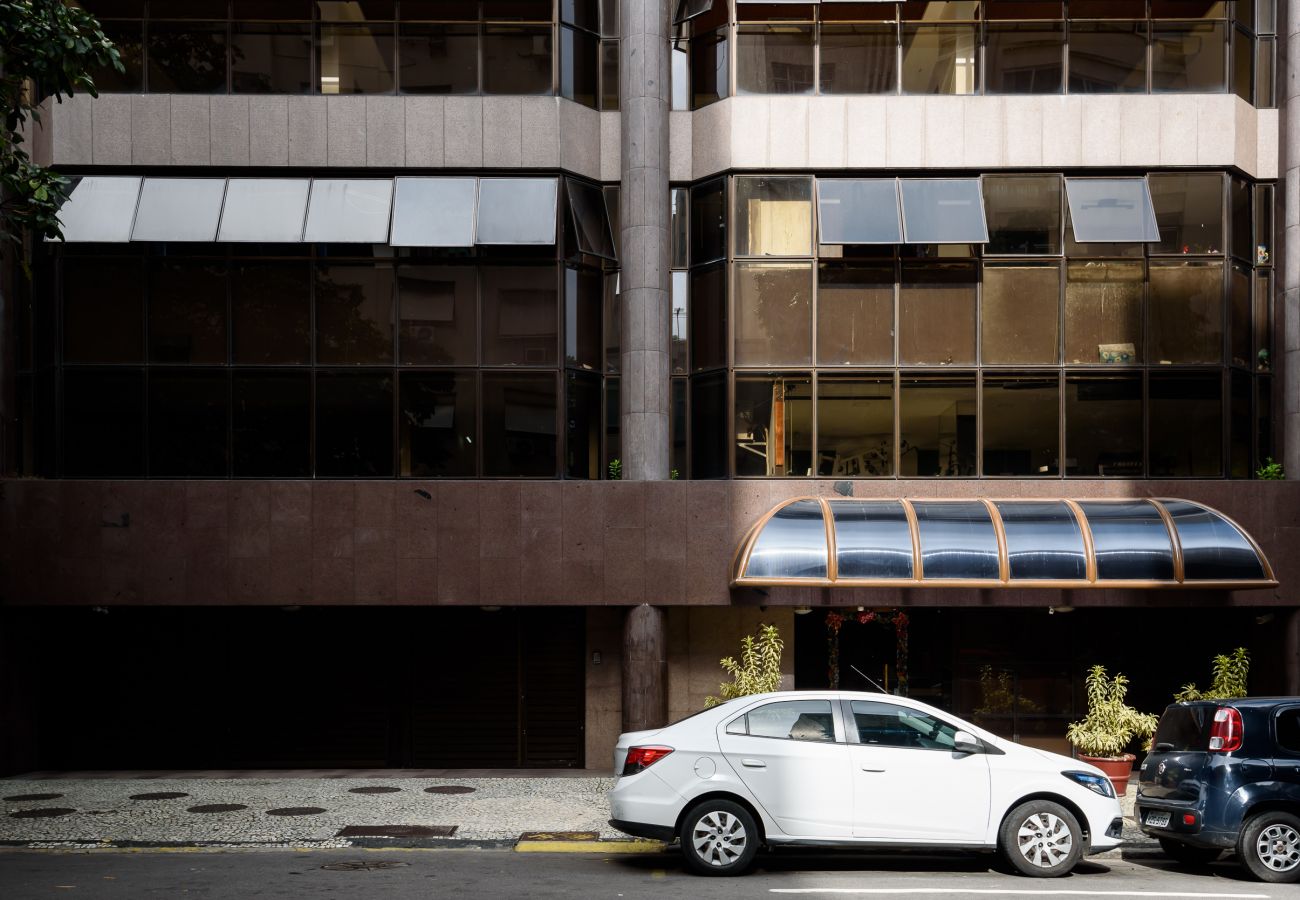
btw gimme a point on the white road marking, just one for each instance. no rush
(1003, 892)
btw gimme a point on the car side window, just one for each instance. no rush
(890, 725)
(797, 720)
(1288, 729)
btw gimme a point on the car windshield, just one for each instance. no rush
(1184, 728)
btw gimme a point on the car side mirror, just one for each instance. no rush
(965, 742)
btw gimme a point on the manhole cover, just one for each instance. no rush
(375, 790)
(449, 789)
(397, 831)
(363, 866)
(22, 798)
(48, 812)
(217, 808)
(295, 811)
(559, 836)
(160, 795)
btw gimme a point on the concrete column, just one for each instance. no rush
(645, 669)
(1288, 298)
(644, 280)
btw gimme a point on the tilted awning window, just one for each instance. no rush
(100, 209)
(1064, 544)
(516, 210)
(349, 211)
(179, 209)
(691, 9)
(434, 212)
(1111, 210)
(264, 210)
(858, 211)
(590, 218)
(943, 211)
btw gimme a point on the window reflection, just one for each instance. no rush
(940, 59)
(519, 424)
(1186, 428)
(1107, 57)
(1103, 312)
(517, 59)
(855, 426)
(1020, 312)
(1024, 57)
(1186, 313)
(103, 422)
(438, 59)
(858, 59)
(1021, 418)
(270, 58)
(187, 423)
(937, 430)
(936, 314)
(354, 315)
(773, 425)
(855, 314)
(1103, 425)
(1188, 57)
(1189, 212)
(354, 424)
(776, 59)
(1023, 214)
(773, 314)
(187, 57)
(519, 316)
(271, 424)
(439, 315)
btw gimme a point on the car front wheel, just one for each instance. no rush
(1041, 839)
(1187, 854)
(1269, 845)
(719, 838)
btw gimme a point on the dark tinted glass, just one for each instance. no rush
(613, 429)
(1240, 424)
(187, 9)
(708, 317)
(1188, 57)
(774, 59)
(438, 59)
(609, 62)
(519, 425)
(187, 312)
(354, 425)
(679, 346)
(1019, 319)
(187, 423)
(940, 59)
(957, 540)
(936, 314)
(103, 422)
(678, 427)
(582, 428)
(1186, 313)
(439, 315)
(1021, 424)
(271, 9)
(1103, 312)
(1189, 212)
(1243, 65)
(270, 310)
(354, 315)
(270, 58)
(887, 725)
(855, 426)
(859, 59)
(519, 316)
(1239, 315)
(517, 59)
(792, 544)
(1130, 540)
(355, 59)
(709, 73)
(937, 426)
(1024, 58)
(872, 539)
(1265, 72)
(103, 310)
(1186, 427)
(584, 13)
(1213, 550)
(271, 424)
(1288, 729)
(708, 426)
(128, 37)
(1043, 540)
(582, 321)
(773, 309)
(1024, 214)
(187, 57)
(1184, 728)
(855, 314)
(773, 425)
(1103, 425)
(1242, 220)
(579, 66)
(437, 420)
(1108, 57)
(708, 222)
(590, 218)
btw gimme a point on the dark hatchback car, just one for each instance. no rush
(1225, 775)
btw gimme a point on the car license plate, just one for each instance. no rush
(1158, 819)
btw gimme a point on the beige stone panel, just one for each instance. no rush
(1178, 133)
(1140, 128)
(1216, 126)
(151, 129)
(1062, 131)
(827, 126)
(905, 132)
(424, 121)
(1267, 144)
(71, 122)
(945, 131)
(385, 131)
(541, 133)
(711, 142)
(502, 132)
(788, 132)
(866, 132)
(345, 134)
(680, 139)
(983, 132)
(268, 131)
(1101, 145)
(307, 131)
(579, 139)
(749, 133)
(230, 131)
(462, 130)
(1023, 135)
(611, 146)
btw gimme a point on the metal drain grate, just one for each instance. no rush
(295, 811)
(397, 831)
(363, 866)
(48, 812)
(23, 798)
(375, 790)
(449, 789)
(217, 808)
(160, 795)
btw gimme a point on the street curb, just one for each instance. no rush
(598, 846)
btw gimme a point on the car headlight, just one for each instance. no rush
(1098, 784)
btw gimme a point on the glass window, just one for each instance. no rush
(270, 310)
(582, 423)
(707, 318)
(942, 211)
(681, 75)
(855, 314)
(859, 59)
(774, 59)
(940, 59)
(1263, 345)
(187, 58)
(1288, 729)
(1103, 425)
(1024, 57)
(1130, 539)
(773, 425)
(1108, 57)
(1024, 214)
(710, 79)
(1189, 9)
(128, 37)
(1103, 312)
(355, 59)
(590, 218)
(1189, 57)
(354, 425)
(179, 209)
(609, 62)
(613, 424)
(1189, 212)
(943, 10)
(1242, 220)
(1263, 420)
(103, 422)
(437, 419)
(1263, 245)
(1020, 315)
(858, 211)
(936, 314)
(579, 66)
(1043, 540)
(1243, 64)
(680, 218)
(519, 424)
(103, 310)
(1108, 210)
(517, 210)
(583, 13)
(271, 424)
(708, 210)
(349, 211)
(678, 428)
(1265, 72)
(519, 316)
(264, 210)
(270, 58)
(187, 312)
(855, 426)
(957, 540)
(708, 426)
(1241, 424)
(354, 315)
(439, 315)
(1021, 425)
(582, 322)
(797, 720)
(1186, 313)
(1186, 428)
(937, 426)
(614, 319)
(100, 209)
(187, 423)
(433, 212)
(773, 314)
(773, 216)
(187, 9)
(438, 59)
(517, 59)
(888, 725)
(272, 9)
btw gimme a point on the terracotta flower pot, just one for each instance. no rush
(1117, 769)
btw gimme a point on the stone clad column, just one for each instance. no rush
(645, 669)
(1288, 95)
(644, 102)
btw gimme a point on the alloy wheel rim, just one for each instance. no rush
(1044, 840)
(1278, 847)
(719, 838)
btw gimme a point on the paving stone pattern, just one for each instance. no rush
(498, 809)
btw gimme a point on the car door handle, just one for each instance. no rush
(869, 769)
(753, 763)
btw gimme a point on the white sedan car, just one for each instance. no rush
(872, 770)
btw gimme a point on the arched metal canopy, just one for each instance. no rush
(1068, 544)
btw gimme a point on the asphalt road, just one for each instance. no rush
(425, 874)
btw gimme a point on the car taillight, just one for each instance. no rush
(640, 758)
(1226, 733)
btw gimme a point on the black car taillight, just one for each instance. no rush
(1227, 731)
(641, 758)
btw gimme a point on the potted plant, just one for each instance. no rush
(1103, 735)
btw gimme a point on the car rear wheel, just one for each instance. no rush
(719, 838)
(1269, 845)
(1187, 854)
(1041, 839)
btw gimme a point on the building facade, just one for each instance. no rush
(432, 384)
